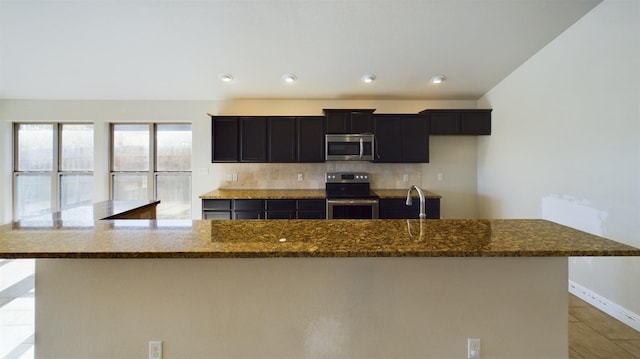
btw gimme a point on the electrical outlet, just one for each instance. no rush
(235, 177)
(473, 348)
(440, 176)
(405, 178)
(300, 176)
(155, 349)
(229, 177)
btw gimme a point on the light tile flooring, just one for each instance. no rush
(17, 308)
(592, 333)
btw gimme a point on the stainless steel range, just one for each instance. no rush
(349, 196)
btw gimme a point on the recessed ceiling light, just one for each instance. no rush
(225, 77)
(289, 78)
(438, 79)
(368, 78)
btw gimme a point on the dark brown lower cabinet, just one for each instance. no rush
(221, 209)
(311, 209)
(396, 208)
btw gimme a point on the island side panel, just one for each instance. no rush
(302, 307)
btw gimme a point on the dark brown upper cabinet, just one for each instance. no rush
(296, 139)
(282, 139)
(224, 139)
(277, 139)
(459, 122)
(253, 139)
(401, 138)
(349, 121)
(310, 138)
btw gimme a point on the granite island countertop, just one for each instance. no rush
(305, 238)
(87, 215)
(299, 194)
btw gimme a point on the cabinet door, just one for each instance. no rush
(361, 122)
(444, 123)
(216, 215)
(396, 208)
(388, 130)
(349, 121)
(281, 208)
(224, 139)
(433, 208)
(253, 139)
(249, 215)
(248, 209)
(415, 139)
(338, 122)
(475, 122)
(282, 139)
(312, 209)
(216, 209)
(310, 139)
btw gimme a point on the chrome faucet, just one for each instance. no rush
(423, 214)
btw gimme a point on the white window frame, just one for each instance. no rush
(152, 173)
(55, 174)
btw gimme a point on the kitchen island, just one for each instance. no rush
(303, 288)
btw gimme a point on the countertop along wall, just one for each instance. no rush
(565, 145)
(454, 156)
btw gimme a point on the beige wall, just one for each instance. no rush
(312, 308)
(454, 156)
(566, 143)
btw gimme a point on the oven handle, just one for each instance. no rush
(361, 147)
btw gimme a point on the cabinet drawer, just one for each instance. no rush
(216, 204)
(281, 205)
(248, 204)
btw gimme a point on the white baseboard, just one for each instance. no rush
(620, 313)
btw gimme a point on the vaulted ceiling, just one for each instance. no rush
(177, 49)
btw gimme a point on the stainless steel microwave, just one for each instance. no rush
(349, 147)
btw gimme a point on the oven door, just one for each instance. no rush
(352, 208)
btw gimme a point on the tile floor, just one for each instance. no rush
(17, 286)
(592, 333)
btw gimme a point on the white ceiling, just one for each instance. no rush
(176, 49)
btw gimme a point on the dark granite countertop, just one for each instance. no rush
(84, 216)
(305, 238)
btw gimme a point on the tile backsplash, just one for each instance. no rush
(285, 175)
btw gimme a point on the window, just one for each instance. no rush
(153, 161)
(53, 167)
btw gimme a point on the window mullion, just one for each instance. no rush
(55, 171)
(152, 191)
